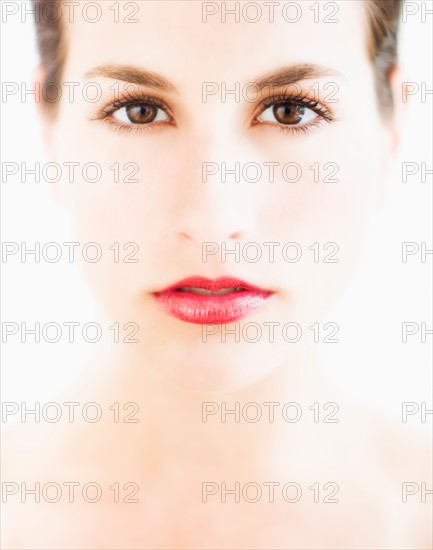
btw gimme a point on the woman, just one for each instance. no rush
(241, 152)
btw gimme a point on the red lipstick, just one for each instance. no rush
(204, 301)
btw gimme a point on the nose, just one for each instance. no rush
(214, 202)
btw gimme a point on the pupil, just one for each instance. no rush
(287, 113)
(141, 114)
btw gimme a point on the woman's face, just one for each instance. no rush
(319, 151)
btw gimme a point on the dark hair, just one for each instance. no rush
(383, 16)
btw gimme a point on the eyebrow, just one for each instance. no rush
(132, 75)
(285, 76)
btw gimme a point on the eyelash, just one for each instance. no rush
(326, 114)
(125, 101)
(105, 112)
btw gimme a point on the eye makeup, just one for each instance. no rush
(289, 103)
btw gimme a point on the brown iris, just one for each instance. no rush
(288, 113)
(142, 113)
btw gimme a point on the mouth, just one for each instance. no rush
(204, 301)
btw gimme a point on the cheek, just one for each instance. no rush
(325, 211)
(323, 186)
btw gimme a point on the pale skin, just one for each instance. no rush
(171, 372)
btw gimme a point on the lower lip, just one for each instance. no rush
(207, 309)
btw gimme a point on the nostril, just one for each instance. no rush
(232, 236)
(185, 236)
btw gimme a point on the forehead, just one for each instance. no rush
(188, 40)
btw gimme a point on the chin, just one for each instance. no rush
(220, 367)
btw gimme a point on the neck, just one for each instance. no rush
(181, 430)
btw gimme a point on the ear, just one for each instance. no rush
(394, 126)
(38, 80)
(400, 98)
(47, 118)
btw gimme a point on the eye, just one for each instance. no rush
(140, 113)
(288, 113)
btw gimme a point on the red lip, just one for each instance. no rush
(211, 308)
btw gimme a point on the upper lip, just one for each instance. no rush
(213, 284)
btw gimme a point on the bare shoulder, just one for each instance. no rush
(404, 458)
(405, 451)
